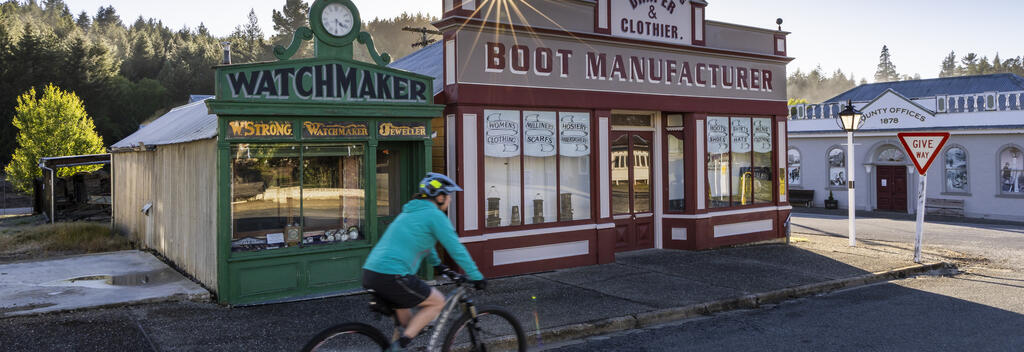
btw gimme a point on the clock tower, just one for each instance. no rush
(335, 25)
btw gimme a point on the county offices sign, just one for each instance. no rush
(667, 21)
(892, 110)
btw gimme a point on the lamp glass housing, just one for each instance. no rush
(850, 119)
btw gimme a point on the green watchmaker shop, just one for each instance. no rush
(279, 186)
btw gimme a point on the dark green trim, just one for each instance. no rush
(301, 34)
(401, 111)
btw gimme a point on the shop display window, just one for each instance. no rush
(288, 195)
(718, 139)
(762, 164)
(540, 166)
(742, 176)
(676, 172)
(956, 170)
(1011, 171)
(574, 159)
(739, 161)
(541, 158)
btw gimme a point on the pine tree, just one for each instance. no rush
(293, 15)
(56, 116)
(886, 71)
(84, 21)
(247, 42)
(997, 65)
(949, 66)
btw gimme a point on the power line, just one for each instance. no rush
(423, 31)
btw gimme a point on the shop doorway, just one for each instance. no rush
(398, 171)
(632, 202)
(892, 188)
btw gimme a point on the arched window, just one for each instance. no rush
(956, 169)
(1011, 171)
(793, 169)
(891, 155)
(836, 167)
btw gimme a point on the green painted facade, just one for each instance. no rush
(327, 99)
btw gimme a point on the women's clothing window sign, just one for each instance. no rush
(501, 133)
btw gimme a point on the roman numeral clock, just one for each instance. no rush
(335, 24)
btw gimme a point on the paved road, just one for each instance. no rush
(1002, 244)
(969, 312)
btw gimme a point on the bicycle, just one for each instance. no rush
(476, 329)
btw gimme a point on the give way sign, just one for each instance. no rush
(923, 147)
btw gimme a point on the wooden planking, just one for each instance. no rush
(181, 182)
(133, 188)
(186, 207)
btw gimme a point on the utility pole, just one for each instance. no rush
(423, 31)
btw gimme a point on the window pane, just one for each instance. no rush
(956, 170)
(641, 175)
(540, 173)
(763, 183)
(333, 193)
(1011, 173)
(742, 173)
(718, 161)
(502, 146)
(264, 195)
(620, 175)
(631, 120)
(836, 168)
(794, 167)
(574, 148)
(676, 173)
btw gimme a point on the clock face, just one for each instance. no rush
(337, 19)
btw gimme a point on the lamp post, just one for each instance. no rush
(850, 120)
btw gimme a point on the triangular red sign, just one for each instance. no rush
(923, 147)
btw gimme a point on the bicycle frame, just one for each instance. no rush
(455, 299)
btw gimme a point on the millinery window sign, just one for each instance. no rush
(501, 133)
(539, 129)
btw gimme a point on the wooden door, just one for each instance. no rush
(891, 184)
(632, 199)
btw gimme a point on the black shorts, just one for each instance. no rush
(401, 291)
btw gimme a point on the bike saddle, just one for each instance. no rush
(380, 305)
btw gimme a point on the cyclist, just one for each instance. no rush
(390, 268)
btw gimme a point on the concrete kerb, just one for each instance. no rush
(662, 316)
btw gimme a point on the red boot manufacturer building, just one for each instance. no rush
(580, 129)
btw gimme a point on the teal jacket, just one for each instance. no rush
(412, 236)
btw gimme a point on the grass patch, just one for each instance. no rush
(36, 241)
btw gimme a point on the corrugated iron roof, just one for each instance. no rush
(926, 88)
(428, 61)
(186, 123)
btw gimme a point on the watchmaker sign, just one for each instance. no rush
(666, 21)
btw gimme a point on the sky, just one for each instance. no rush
(831, 33)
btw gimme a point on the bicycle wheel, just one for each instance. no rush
(348, 337)
(495, 330)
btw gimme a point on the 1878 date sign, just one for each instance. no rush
(922, 148)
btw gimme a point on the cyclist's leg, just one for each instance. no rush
(403, 316)
(429, 310)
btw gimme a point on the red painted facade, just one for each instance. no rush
(470, 100)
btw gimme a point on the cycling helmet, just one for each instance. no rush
(435, 184)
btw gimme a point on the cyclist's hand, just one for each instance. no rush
(447, 272)
(479, 284)
(440, 269)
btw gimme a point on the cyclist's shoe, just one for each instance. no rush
(395, 347)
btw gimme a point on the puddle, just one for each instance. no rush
(146, 278)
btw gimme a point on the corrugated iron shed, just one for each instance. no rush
(926, 88)
(428, 61)
(186, 123)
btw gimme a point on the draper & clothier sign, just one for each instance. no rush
(665, 21)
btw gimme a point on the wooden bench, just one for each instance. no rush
(803, 197)
(947, 207)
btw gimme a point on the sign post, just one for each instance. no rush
(922, 148)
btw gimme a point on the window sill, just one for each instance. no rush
(956, 194)
(1010, 196)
